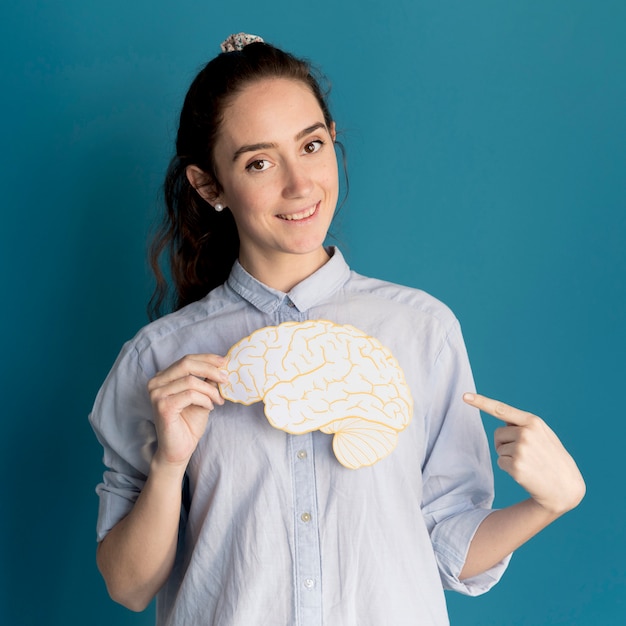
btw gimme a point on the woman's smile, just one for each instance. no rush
(300, 216)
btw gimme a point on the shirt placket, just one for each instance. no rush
(307, 552)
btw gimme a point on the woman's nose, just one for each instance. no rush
(297, 180)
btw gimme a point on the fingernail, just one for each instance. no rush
(469, 397)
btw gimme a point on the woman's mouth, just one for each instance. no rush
(301, 215)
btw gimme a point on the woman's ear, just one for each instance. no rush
(333, 131)
(202, 183)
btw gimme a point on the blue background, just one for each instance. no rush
(487, 153)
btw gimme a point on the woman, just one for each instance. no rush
(230, 521)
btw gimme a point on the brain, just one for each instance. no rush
(317, 375)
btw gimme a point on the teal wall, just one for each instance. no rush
(487, 155)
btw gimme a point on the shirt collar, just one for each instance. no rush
(306, 294)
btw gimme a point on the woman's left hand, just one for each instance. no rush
(533, 455)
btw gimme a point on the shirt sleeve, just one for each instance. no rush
(457, 474)
(122, 421)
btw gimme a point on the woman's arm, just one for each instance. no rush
(137, 555)
(533, 455)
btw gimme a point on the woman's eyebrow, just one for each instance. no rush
(252, 148)
(268, 146)
(310, 129)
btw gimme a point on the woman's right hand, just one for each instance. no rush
(182, 397)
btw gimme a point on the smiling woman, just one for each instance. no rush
(277, 173)
(211, 507)
(203, 245)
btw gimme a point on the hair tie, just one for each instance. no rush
(238, 42)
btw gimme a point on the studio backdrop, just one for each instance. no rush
(486, 151)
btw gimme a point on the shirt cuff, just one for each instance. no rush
(117, 497)
(451, 539)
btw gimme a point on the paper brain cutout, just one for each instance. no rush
(317, 375)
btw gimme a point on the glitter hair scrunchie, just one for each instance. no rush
(238, 42)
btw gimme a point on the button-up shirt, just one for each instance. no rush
(274, 530)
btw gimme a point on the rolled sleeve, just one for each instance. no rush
(451, 552)
(458, 478)
(122, 421)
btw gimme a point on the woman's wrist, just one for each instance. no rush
(163, 469)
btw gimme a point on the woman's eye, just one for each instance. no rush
(313, 146)
(259, 165)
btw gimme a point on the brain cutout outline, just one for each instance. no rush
(317, 375)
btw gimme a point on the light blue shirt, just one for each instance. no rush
(275, 530)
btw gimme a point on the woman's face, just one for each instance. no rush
(276, 163)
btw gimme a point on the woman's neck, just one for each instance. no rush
(284, 272)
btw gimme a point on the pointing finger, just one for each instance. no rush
(499, 410)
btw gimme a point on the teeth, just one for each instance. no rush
(299, 216)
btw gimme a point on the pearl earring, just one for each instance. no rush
(219, 207)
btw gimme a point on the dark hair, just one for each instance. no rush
(203, 244)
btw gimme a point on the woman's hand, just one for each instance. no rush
(182, 397)
(532, 454)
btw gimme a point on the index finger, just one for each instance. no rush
(499, 410)
(205, 366)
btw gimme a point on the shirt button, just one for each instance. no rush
(290, 303)
(301, 454)
(309, 583)
(305, 517)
